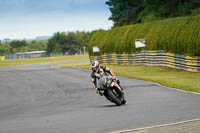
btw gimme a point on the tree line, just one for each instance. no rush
(60, 43)
(68, 43)
(126, 12)
(18, 46)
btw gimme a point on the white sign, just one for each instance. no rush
(95, 49)
(140, 43)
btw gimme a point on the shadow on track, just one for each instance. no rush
(106, 106)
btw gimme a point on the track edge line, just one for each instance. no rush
(156, 126)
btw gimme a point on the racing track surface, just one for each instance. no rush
(45, 99)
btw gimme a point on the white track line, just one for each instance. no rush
(196, 93)
(157, 126)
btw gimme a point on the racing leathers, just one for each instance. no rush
(104, 71)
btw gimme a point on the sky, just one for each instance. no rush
(28, 19)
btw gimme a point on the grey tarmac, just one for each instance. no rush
(190, 126)
(46, 99)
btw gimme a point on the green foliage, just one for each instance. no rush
(135, 11)
(124, 12)
(17, 46)
(179, 35)
(195, 11)
(5, 49)
(71, 42)
(37, 45)
(58, 44)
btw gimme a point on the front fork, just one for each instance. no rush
(118, 89)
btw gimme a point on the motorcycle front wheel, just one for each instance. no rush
(112, 97)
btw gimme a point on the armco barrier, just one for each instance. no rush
(152, 58)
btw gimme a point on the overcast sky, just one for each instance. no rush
(30, 18)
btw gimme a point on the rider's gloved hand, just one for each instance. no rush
(99, 92)
(113, 77)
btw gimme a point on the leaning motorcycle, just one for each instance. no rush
(110, 89)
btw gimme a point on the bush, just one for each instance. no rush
(179, 35)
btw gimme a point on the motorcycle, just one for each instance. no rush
(110, 89)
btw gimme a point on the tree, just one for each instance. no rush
(136, 11)
(70, 42)
(18, 44)
(124, 11)
(37, 45)
(5, 49)
(57, 44)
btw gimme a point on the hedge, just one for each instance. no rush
(179, 35)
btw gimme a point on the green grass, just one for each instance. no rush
(42, 60)
(169, 77)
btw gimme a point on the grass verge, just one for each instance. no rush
(42, 60)
(169, 77)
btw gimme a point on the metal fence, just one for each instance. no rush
(152, 58)
(26, 55)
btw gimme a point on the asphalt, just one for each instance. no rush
(46, 99)
(192, 126)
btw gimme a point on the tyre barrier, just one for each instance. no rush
(152, 58)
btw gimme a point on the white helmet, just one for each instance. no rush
(95, 66)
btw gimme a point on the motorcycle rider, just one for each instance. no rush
(99, 71)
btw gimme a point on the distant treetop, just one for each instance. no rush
(126, 12)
